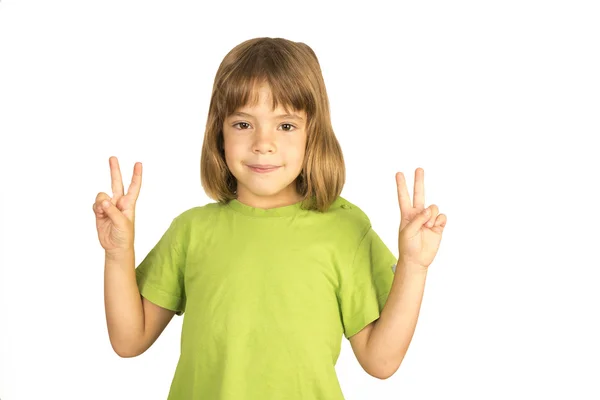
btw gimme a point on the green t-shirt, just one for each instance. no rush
(267, 296)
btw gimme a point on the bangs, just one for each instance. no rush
(283, 75)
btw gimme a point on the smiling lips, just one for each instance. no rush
(262, 168)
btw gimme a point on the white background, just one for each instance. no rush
(499, 102)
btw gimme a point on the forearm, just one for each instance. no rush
(393, 331)
(123, 303)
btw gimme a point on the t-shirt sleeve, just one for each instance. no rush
(366, 283)
(160, 275)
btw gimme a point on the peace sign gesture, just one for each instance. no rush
(420, 228)
(115, 217)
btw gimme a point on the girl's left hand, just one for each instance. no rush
(420, 234)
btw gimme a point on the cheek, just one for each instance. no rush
(295, 150)
(233, 151)
(300, 155)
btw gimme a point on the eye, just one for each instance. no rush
(284, 124)
(288, 125)
(240, 123)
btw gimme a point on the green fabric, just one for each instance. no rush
(267, 296)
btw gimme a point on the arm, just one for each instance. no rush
(384, 343)
(381, 346)
(133, 322)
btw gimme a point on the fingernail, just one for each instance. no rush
(105, 204)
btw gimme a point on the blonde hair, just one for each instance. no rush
(292, 72)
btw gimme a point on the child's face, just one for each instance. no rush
(263, 138)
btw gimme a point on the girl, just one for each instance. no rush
(272, 274)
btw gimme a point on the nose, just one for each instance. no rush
(264, 142)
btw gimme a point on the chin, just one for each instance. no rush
(266, 190)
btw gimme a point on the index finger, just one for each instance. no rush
(116, 180)
(403, 196)
(136, 181)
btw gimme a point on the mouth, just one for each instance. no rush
(261, 168)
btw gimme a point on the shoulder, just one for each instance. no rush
(349, 217)
(349, 211)
(199, 211)
(198, 215)
(194, 222)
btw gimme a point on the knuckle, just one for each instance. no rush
(101, 196)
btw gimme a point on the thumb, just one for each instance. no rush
(115, 215)
(421, 219)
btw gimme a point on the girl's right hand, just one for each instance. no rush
(115, 220)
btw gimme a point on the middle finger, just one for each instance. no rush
(117, 181)
(419, 190)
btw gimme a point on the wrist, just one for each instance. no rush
(410, 268)
(118, 254)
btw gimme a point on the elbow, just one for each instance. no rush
(383, 375)
(124, 351)
(379, 375)
(386, 375)
(383, 372)
(124, 354)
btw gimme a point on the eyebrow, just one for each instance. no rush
(291, 116)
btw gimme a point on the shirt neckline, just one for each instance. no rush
(284, 211)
